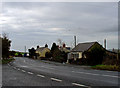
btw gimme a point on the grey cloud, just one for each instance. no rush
(36, 20)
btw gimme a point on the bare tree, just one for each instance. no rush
(60, 42)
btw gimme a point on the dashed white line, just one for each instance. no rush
(41, 75)
(14, 67)
(76, 84)
(30, 73)
(56, 79)
(18, 69)
(23, 71)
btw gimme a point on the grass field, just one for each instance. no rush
(106, 67)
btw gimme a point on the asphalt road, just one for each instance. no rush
(29, 72)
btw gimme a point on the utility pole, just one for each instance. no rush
(75, 40)
(25, 49)
(105, 43)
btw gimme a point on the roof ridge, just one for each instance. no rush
(87, 42)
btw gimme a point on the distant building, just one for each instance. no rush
(64, 48)
(41, 51)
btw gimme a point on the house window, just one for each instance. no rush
(75, 55)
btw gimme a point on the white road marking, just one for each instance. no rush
(47, 67)
(41, 75)
(24, 61)
(8, 64)
(23, 71)
(18, 69)
(30, 73)
(95, 74)
(56, 79)
(110, 76)
(23, 66)
(14, 67)
(79, 85)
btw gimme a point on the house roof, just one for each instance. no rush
(40, 49)
(83, 46)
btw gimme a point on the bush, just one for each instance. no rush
(48, 55)
(95, 55)
(106, 67)
(5, 61)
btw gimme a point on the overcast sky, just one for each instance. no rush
(37, 23)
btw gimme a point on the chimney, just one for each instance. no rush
(64, 45)
(37, 46)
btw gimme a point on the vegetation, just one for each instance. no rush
(106, 67)
(6, 43)
(95, 55)
(32, 53)
(58, 55)
(5, 61)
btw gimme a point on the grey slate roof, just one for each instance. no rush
(81, 47)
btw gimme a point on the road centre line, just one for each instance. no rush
(56, 79)
(23, 71)
(14, 67)
(47, 67)
(76, 84)
(41, 75)
(18, 69)
(30, 73)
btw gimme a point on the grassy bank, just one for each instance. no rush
(106, 67)
(5, 61)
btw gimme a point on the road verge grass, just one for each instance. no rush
(106, 67)
(5, 61)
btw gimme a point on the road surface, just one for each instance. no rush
(29, 72)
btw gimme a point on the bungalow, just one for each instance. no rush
(78, 51)
(41, 51)
(64, 48)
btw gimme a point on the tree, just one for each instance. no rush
(32, 52)
(46, 45)
(54, 46)
(95, 55)
(12, 53)
(48, 55)
(6, 43)
(57, 55)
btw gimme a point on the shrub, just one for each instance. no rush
(106, 67)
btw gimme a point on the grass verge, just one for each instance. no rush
(5, 61)
(106, 67)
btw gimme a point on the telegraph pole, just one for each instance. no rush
(25, 49)
(105, 43)
(75, 40)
